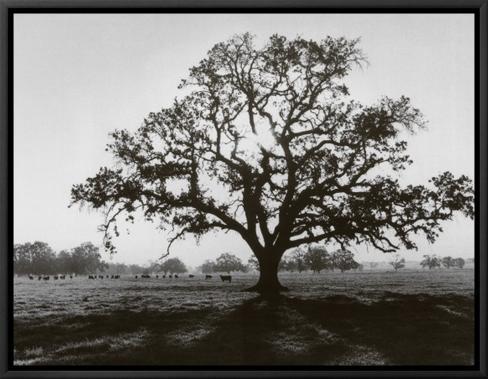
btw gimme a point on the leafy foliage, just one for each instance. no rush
(173, 266)
(317, 258)
(344, 260)
(228, 262)
(397, 263)
(40, 258)
(431, 261)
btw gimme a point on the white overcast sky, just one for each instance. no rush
(77, 77)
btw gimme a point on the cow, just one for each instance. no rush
(55, 277)
(71, 276)
(100, 276)
(136, 276)
(176, 276)
(157, 276)
(164, 276)
(31, 277)
(170, 276)
(117, 276)
(226, 278)
(62, 277)
(92, 277)
(208, 277)
(191, 276)
(46, 277)
(39, 277)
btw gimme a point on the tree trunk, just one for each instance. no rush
(268, 283)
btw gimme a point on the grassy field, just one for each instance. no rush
(364, 318)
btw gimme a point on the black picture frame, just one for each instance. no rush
(10, 7)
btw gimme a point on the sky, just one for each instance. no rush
(78, 77)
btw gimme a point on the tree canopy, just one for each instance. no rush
(266, 142)
(227, 262)
(173, 266)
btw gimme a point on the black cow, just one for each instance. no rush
(46, 277)
(191, 276)
(62, 277)
(208, 277)
(31, 277)
(226, 278)
(39, 277)
(100, 276)
(55, 277)
(117, 276)
(157, 276)
(71, 276)
(136, 276)
(176, 276)
(164, 276)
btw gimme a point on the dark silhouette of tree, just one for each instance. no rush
(228, 262)
(459, 262)
(343, 259)
(448, 262)
(397, 263)
(268, 144)
(317, 258)
(431, 261)
(173, 266)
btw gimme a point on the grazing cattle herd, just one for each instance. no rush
(224, 278)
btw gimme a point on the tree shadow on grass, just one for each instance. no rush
(337, 330)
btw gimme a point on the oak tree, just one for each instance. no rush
(267, 143)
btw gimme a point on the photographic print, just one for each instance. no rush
(244, 189)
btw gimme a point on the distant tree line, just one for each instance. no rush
(39, 258)
(434, 261)
(312, 258)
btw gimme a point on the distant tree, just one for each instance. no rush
(459, 262)
(298, 257)
(22, 258)
(397, 263)
(173, 266)
(135, 269)
(296, 160)
(34, 258)
(253, 263)
(317, 258)
(289, 264)
(431, 261)
(343, 259)
(228, 263)
(86, 259)
(64, 262)
(448, 262)
(118, 268)
(207, 267)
